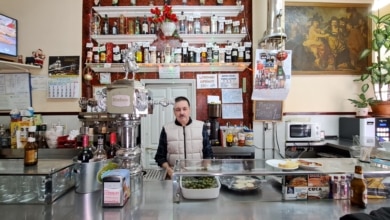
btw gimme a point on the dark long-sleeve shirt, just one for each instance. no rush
(162, 150)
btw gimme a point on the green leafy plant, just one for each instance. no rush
(378, 74)
(362, 101)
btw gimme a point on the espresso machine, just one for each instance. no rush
(214, 112)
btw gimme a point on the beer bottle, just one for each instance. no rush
(358, 189)
(31, 148)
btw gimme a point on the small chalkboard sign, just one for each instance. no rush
(268, 110)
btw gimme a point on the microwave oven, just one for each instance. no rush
(303, 131)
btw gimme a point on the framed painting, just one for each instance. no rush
(327, 38)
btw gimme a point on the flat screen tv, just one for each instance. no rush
(8, 38)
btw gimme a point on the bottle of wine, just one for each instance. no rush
(145, 26)
(42, 141)
(100, 153)
(31, 148)
(106, 26)
(111, 151)
(86, 153)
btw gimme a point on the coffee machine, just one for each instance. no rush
(214, 112)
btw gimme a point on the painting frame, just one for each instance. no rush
(325, 37)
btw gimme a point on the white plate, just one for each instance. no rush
(275, 163)
(312, 166)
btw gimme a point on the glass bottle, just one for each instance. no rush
(130, 26)
(106, 26)
(137, 28)
(117, 58)
(221, 25)
(31, 148)
(115, 2)
(182, 23)
(229, 138)
(152, 28)
(111, 151)
(336, 188)
(280, 76)
(228, 26)
(153, 54)
(358, 191)
(219, 2)
(114, 29)
(243, 27)
(203, 54)
(133, 2)
(102, 53)
(42, 142)
(236, 27)
(190, 24)
(122, 24)
(89, 56)
(86, 153)
(96, 57)
(241, 52)
(247, 54)
(234, 53)
(184, 52)
(197, 26)
(100, 153)
(145, 26)
(214, 24)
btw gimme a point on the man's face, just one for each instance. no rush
(182, 112)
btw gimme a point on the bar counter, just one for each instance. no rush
(155, 201)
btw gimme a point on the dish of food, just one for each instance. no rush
(240, 183)
(200, 187)
(287, 164)
(310, 165)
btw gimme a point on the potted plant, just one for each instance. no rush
(362, 103)
(377, 75)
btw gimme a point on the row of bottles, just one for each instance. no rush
(190, 24)
(210, 53)
(97, 3)
(91, 153)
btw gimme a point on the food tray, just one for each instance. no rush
(209, 193)
(240, 183)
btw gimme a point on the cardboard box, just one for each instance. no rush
(318, 186)
(295, 187)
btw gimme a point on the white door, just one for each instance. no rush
(151, 125)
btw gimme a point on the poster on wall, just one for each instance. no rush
(272, 74)
(206, 81)
(64, 77)
(228, 80)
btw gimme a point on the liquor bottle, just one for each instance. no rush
(243, 27)
(184, 52)
(122, 24)
(234, 53)
(280, 76)
(137, 28)
(117, 58)
(214, 26)
(145, 26)
(336, 188)
(96, 56)
(182, 23)
(111, 151)
(102, 53)
(229, 138)
(133, 2)
(343, 188)
(236, 27)
(241, 52)
(152, 28)
(219, 2)
(358, 191)
(86, 153)
(115, 2)
(89, 56)
(190, 24)
(247, 55)
(31, 148)
(197, 26)
(221, 25)
(114, 29)
(106, 26)
(100, 153)
(42, 141)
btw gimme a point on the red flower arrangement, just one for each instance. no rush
(164, 15)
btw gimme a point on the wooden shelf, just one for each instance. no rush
(141, 11)
(13, 67)
(184, 67)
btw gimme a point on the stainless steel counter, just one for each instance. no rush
(154, 202)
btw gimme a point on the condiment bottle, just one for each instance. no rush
(31, 148)
(358, 195)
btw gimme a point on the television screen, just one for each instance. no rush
(8, 36)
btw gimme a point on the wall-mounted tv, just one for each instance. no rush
(8, 38)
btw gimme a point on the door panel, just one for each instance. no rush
(151, 125)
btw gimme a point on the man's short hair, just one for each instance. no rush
(182, 98)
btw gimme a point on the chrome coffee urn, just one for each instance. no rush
(128, 101)
(214, 112)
